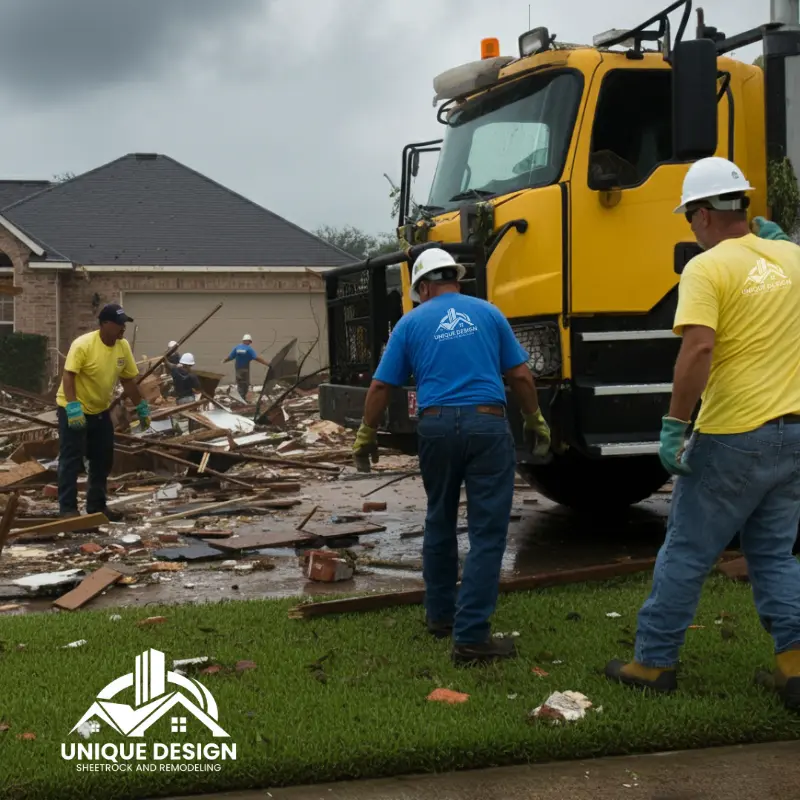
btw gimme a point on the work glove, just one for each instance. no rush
(365, 448)
(143, 412)
(536, 434)
(75, 418)
(673, 443)
(765, 229)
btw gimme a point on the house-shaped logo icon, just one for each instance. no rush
(454, 319)
(153, 700)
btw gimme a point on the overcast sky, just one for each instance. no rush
(301, 105)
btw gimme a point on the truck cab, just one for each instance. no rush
(557, 177)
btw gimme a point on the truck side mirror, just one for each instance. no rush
(694, 99)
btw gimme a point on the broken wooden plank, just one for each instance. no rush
(375, 602)
(307, 518)
(208, 471)
(258, 541)
(88, 589)
(203, 463)
(396, 479)
(208, 533)
(29, 417)
(20, 473)
(8, 519)
(168, 411)
(204, 509)
(334, 531)
(62, 525)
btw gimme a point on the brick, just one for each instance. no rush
(91, 548)
(51, 490)
(327, 567)
(146, 623)
(368, 507)
(735, 570)
(169, 538)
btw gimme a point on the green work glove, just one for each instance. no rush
(673, 442)
(365, 448)
(75, 417)
(143, 412)
(765, 229)
(536, 434)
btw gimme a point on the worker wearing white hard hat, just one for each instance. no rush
(185, 382)
(243, 354)
(174, 357)
(738, 314)
(459, 349)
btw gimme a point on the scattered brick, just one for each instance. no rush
(368, 507)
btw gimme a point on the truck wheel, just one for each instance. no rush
(596, 484)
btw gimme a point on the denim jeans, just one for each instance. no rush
(96, 443)
(746, 483)
(459, 445)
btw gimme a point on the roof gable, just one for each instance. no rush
(148, 209)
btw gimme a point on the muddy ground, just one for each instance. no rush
(542, 537)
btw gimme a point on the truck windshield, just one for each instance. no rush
(515, 137)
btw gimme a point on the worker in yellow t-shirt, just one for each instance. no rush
(95, 362)
(739, 316)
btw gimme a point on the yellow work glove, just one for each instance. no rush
(365, 448)
(536, 434)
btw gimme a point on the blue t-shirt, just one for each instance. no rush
(243, 354)
(457, 347)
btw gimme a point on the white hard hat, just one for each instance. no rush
(187, 359)
(172, 344)
(709, 178)
(428, 262)
(247, 338)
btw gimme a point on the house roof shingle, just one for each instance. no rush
(13, 191)
(148, 209)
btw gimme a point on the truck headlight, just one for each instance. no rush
(542, 340)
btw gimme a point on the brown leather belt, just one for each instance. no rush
(496, 411)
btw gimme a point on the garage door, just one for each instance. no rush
(272, 319)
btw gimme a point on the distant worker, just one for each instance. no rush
(243, 354)
(185, 383)
(95, 362)
(739, 316)
(458, 349)
(173, 358)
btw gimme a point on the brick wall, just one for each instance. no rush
(78, 289)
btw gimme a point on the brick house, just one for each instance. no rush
(169, 244)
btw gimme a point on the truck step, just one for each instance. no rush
(615, 389)
(625, 336)
(628, 448)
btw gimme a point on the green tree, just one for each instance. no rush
(356, 242)
(759, 62)
(60, 177)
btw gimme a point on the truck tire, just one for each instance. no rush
(596, 485)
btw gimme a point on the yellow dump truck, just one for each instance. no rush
(557, 176)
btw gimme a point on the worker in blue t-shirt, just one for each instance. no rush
(459, 348)
(243, 354)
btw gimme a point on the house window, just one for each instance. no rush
(5, 261)
(633, 127)
(6, 314)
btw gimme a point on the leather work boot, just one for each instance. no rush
(787, 677)
(641, 677)
(440, 630)
(483, 652)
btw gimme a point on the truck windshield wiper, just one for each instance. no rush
(479, 193)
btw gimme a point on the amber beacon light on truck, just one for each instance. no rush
(557, 173)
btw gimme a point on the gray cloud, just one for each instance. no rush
(59, 49)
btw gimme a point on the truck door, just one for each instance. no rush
(625, 186)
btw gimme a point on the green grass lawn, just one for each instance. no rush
(365, 714)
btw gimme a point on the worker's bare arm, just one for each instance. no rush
(262, 361)
(131, 390)
(69, 387)
(691, 370)
(377, 401)
(520, 381)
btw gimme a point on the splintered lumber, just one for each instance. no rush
(21, 472)
(396, 479)
(62, 525)
(376, 602)
(208, 471)
(169, 411)
(8, 518)
(88, 589)
(199, 510)
(307, 518)
(337, 531)
(29, 417)
(159, 361)
(257, 541)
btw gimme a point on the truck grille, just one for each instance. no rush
(542, 340)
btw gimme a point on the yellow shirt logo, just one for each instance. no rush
(765, 277)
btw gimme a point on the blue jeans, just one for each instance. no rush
(746, 483)
(459, 445)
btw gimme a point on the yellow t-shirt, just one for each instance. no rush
(97, 369)
(748, 291)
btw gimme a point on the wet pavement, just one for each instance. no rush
(726, 773)
(543, 537)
